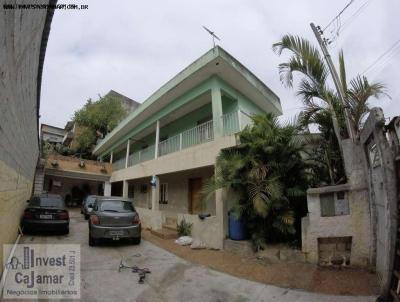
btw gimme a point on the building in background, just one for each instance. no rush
(72, 129)
(51, 134)
(165, 150)
(128, 104)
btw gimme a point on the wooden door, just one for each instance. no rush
(195, 202)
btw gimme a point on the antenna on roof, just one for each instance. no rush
(214, 36)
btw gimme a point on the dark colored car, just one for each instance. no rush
(89, 200)
(45, 212)
(113, 218)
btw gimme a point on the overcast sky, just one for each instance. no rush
(134, 47)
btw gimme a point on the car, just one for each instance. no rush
(45, 212)
(113, 218)
(89, 200)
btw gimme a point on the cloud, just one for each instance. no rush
(134, 47)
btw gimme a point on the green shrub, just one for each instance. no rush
(184, 228)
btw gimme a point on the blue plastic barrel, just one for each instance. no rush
(236, 228)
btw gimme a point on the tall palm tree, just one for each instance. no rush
(313, 87)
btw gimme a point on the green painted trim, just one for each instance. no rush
(177, 103)
(213, 82)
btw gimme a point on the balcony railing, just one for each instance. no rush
(119, 164)
(231, 123)
(141, 155)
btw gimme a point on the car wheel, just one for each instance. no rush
(66, 231)
(136, 240)
(92, 241)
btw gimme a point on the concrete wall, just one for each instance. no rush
(150, 219)
(22, 47)
(356, 224)
(380, 169)
(206, 230)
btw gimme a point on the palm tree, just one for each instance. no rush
(314, 89)
(269, 179)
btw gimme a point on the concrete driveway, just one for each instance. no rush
(171, 278)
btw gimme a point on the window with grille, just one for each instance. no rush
(334, 204)
(164, 193)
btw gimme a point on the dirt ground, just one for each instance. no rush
(289, 275)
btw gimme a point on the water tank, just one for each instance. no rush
(236, 228)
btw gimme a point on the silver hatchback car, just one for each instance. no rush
(113, 218)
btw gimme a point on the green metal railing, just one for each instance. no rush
(119, 164)
(140, 156)
(231, 123)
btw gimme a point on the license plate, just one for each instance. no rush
(46, 216)
(116, 233)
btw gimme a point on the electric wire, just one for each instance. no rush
(390, 53)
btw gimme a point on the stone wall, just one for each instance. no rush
(23, 36)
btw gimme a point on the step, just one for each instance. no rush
(165, 233)
(171, 227)
(170, 220)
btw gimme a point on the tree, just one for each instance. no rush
(96, 119)
(269, 178)
(319, 100)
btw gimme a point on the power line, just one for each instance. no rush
(378, 69)
(338, 15)
(339, 26)
(355, 14)
(395, 45)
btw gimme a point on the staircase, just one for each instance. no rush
(39, 178)
(168, 230)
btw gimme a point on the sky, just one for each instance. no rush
(134, 47)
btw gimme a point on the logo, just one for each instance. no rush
(42, 271)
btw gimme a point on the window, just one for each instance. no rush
(334, 204)
(164, 193)
(116, 206)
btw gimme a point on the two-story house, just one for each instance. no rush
(165, 150)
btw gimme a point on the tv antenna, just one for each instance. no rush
(213, 35)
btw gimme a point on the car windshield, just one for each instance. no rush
(90, 200)
(116, 206)
(47, 202)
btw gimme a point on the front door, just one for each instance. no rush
(195, 202)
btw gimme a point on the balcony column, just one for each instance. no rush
(128, 144)
(239, 113)
(111, 157)
(107, 188)
(216, 103)
(125, 189)
(155, 192)
(157, 139)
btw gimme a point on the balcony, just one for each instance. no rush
(231, 123)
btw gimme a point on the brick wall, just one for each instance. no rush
(21, 43)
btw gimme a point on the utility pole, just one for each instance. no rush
(336, 80)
